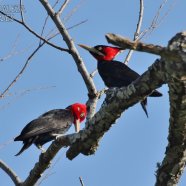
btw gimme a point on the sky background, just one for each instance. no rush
(129, 152)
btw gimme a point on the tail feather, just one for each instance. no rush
(25, 146)
(144, 105)
(18, 138)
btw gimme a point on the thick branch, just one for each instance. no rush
(174, 161)
(45, 158)
(11, 173)
(125, 43)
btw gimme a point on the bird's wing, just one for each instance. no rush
(50, 121)
(116, 74)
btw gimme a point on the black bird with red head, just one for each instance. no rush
(115, 73)
(51, 125)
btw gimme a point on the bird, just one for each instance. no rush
(51, 125)
(115, 73)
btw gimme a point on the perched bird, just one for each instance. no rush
(115, 73)
(51, 125)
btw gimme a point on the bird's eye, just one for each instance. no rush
(100, 48)
(82, 115)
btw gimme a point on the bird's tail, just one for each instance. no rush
(156, 93)
(144, 106)
(25, 146)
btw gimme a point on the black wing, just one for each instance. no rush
(51, 121)
(116, 74)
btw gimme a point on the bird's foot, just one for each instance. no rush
(58, 135)
(41, 148)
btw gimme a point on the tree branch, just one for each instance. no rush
(63, 6)
(34, 33)
(137, 32)
(11, 173)
(45, 158)
(174, 161)
(81, 181)
(125, 43)
(25, 66)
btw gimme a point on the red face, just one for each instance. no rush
(108, 52)
(79, 111)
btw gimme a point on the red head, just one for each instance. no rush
(102, 52)
(79, 112)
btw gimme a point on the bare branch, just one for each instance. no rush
(92, 74)
(69, 15)
(4, 144)
(46, 19)
(139, 46)
(13, 51)
(21, 9)
(157, 20)
(137, 32)
(73, 26)
(21, 72)
(81, 181)
(63, 6)
(24, 67)
(11, 173)
(45, 158)
(34, 33)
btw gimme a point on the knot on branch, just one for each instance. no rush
(176, 63)
(178, 42)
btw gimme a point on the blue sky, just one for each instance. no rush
(129, 152)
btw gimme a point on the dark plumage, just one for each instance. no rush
(50, 125)
(115, 73)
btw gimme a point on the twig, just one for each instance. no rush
(73, 26)
(34, 33)
(49, 172)
(22, 15)
(2, 145)
(63, 6)
(137, 32)
(81, 181)
(17, 95)
(92, 74)
(156, 20)
(24, 67)
(45, 22)
(12, 52)
(69, 15)
(139, 46)
(21, 72)
(17, 181)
